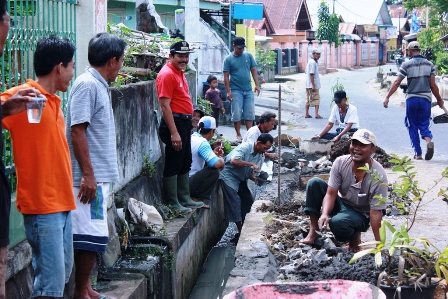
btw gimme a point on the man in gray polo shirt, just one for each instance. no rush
(240, 166)
(93, 150)
(347, 204)
(421, 82)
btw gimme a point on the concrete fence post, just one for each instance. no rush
(332, 55)
(369, 59)
(350, 54)
(304, 59)
(325, 54)
(358, 53)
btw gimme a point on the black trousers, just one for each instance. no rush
(177, 162)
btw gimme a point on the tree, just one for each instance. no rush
(438, 11)
(328, 25)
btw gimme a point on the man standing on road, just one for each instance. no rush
(175, 128)
(312, 85)
(240, 166)
(347, 204)
(92, 140)
(42, 160)
(421, 82)
(237, 68)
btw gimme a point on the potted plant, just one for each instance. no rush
(379, 74)
(411, 263)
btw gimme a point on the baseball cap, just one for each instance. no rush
(364, 136)
(414, 46)
(208, 121)
(180, 47)
(316, 51)
(339, 95)
(196, 108)
(239, 42)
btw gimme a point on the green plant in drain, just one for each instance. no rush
(148, 167)
(418, 258)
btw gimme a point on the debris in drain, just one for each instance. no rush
(325, 259)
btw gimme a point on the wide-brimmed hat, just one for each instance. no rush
(180, 47)
(364, 136)
(196, 108)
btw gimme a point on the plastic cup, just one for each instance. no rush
(34, 110)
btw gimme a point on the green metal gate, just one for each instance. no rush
(31, 20)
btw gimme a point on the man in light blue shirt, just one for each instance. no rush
(203, 179)
(240, 166)
(237, 68)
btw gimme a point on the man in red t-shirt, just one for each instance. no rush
(175, 128)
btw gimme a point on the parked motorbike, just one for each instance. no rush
(398, 60)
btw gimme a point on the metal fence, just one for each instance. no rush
(31, 20)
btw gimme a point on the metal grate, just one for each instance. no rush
(31, 20)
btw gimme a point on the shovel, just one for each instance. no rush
(440, 119)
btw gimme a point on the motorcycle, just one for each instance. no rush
(398, 60)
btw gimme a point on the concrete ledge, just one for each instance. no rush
(254, 261)
(316, 146)
(125, 286)
(19, 257)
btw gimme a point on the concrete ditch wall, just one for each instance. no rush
(190, 238)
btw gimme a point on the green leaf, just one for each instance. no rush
(362, 253)
(378, 259)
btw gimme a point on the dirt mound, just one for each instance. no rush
(342, 147)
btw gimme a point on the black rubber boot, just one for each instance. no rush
(170, 195)
(183, 192)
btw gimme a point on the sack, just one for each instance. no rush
(142, 213)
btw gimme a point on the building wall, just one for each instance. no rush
(119, 12)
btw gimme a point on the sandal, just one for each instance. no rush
(418, 157)
(239, 139)
(429, 150)
(319, 117)
(308, 116)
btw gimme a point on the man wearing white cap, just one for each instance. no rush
(312, 85)
(203, 179)
(421, 83)
(347, 204)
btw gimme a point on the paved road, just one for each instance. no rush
(387, 124)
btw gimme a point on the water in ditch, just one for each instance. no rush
(216, 269)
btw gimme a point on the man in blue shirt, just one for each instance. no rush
(240, 166)
(421, 83)
(237, 68)
(203, 179)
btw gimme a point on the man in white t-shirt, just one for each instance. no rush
(266, 124)
(206, 162)
(312, 85)
(343, 114)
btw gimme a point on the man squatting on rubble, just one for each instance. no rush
(203, 179)
(175, 128)
(240, 166)
(348, 200)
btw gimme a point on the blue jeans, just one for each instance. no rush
(243, 105)
(51, 240)
(418, 113)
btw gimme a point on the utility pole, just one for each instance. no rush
(333, 5)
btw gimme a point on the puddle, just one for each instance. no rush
(212, 281)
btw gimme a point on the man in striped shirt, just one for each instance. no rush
(421, 83)
(93, 150)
